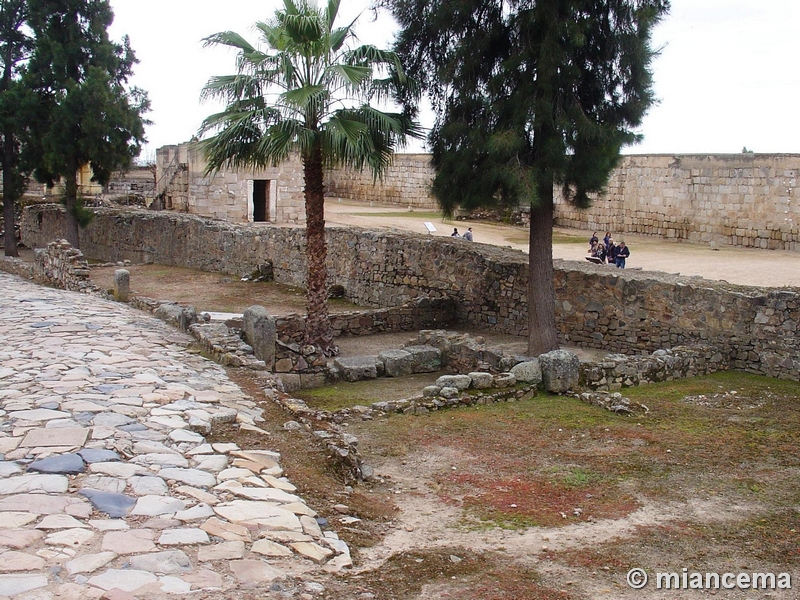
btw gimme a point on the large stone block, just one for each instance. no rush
(396, 362)
(357, 368)
(259, 331)
(528, 372)
(460, 382)
(560, 370)
(424, 359)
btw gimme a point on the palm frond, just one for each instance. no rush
(228, 38)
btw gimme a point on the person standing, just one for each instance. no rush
(623, 252)
(593, 240)
(468, 234)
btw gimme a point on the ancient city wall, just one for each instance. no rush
(745, 200)
(407, 181)
(624, 311)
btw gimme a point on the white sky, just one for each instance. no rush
(728, 75)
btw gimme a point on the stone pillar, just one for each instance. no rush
(259, 331)
(122, 285)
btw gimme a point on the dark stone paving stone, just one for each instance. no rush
(43, 324)
(112, 419)
(84, 418)
(94, 455)
(109, 375)
(66, 464)
(133, 427)
(93, 326)
(115, 506)
(50, 405)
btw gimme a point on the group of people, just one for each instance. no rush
(467, 235)
(607, 252)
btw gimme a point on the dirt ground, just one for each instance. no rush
(545, 498)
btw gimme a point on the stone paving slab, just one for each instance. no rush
(128, 499)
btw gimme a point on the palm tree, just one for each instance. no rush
(307, 92)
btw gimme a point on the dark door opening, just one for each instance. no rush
(260, 200)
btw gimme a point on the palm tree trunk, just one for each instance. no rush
(542, 334)
(318, 326)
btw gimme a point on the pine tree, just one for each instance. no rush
(529, 94)
(15, 46)
(88, 113)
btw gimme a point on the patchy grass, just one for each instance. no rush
(552, 461)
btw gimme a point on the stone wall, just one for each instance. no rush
(620, 311)
(186, 187)
(61, 265)
(748, 200)
(407, 181)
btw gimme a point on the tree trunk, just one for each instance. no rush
(542, 334)
(70, 200)
(318, 326)
(10, 237)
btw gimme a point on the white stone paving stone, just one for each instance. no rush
(101, 375)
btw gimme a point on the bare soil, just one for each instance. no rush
(546, 498)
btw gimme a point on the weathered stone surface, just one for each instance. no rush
(134, 541)
(128, 580)
(222, 551)
(94, 455)
(560, 371)
(113, 485)
(396, 363)
(168, 562)
(259, 331)
(152, 506)
(481, 380)
(504, 380)
(12, 585)
(239, 511)
(528, 372)
(193, 477)
(270, 548)
(88, 563)
(183, 537)
(11, 560)
(58, 522)
(54, 484)
(357, 368)
(10, 520)
(19, 538)
(460, 382)
(312, 551)
(70, 537)
(149, 486)
(65, 464)
(226, 531)
(114, 505)
(424, 359)
(253, 571)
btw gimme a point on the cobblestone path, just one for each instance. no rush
(108, 488)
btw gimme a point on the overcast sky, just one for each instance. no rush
(727, 77)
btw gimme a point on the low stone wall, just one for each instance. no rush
(61, 265)
(628, 311)
(16, 266)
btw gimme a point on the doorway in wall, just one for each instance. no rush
(261, 200)
(265, 200)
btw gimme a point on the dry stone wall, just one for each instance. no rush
(620, 311)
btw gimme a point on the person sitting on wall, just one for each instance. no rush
(597, 253)
(468, 235)
(455, 233)
(623, 252)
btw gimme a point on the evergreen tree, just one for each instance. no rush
(15, 46)
(529, 94)
(308, 92)
(88, 115)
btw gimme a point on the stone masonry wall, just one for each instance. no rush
(620, 311)
(748, 200)
(61, 265)
(407, 182)
(227, 194)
